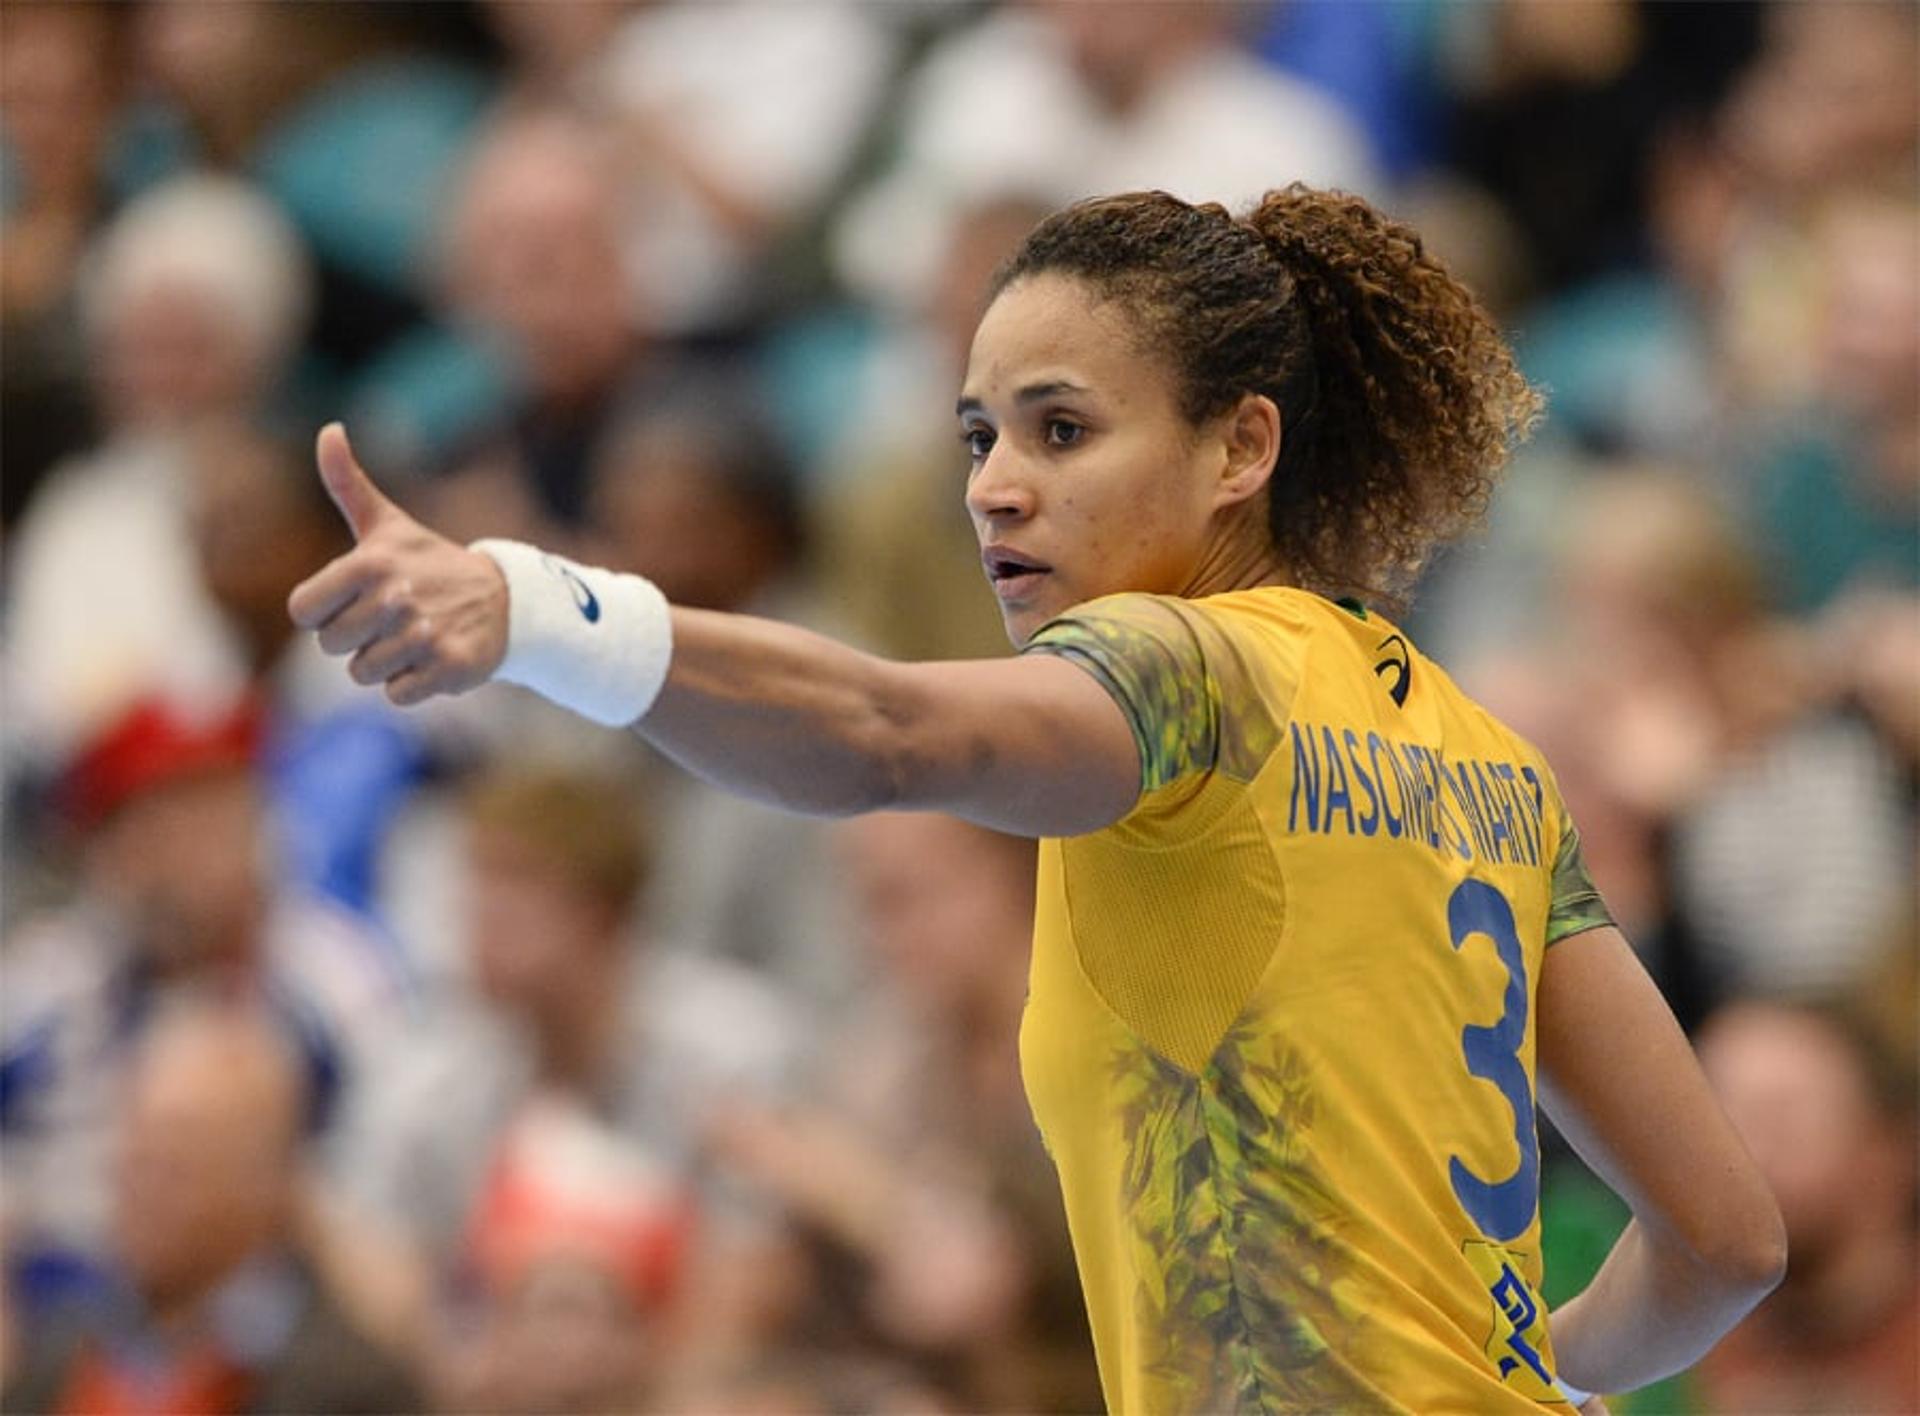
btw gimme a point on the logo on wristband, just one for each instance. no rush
(583, 598)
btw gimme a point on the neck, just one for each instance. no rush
(1240, 558)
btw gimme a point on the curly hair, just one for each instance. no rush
(1399, 400)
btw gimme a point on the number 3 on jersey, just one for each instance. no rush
(1502, 1209)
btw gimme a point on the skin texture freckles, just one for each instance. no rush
(1083, 463)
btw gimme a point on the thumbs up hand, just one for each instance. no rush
(417, 612)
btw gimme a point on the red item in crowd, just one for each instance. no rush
(156, 742)
(199, 1384)
(563, 1187)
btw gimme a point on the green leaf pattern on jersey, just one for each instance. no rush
(1190, 693)
(1236, 1275)
(1576, 904)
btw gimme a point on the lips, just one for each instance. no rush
(1013, 574)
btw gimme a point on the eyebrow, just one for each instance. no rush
(1032, 393)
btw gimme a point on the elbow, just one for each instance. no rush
(1750, 1258)
(1763, 1264)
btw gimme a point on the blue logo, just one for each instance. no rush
(585, 599)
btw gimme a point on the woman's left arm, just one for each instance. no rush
(1706, 1242)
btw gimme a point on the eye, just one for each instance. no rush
(1061, 433)
(977, 441)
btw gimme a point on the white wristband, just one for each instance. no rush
(592, 640)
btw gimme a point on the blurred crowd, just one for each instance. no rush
(471, 1059)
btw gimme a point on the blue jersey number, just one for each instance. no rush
(1503, 1209)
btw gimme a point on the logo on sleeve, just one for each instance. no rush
(1396, 667)
(583, 598)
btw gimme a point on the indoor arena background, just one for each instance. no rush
(566, 1083)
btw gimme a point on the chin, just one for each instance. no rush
(1022, 624)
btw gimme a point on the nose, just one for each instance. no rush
(998, 490)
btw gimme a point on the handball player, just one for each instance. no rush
(1313, 934)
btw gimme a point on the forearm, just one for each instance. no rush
(1652, 1310)
(782, 714)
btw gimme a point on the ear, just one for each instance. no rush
(1250, 439)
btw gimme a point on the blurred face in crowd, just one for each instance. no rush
(169, 354)
(1800, 1097)
(208, 1148)
(1870, 336)
(56, 96)
(1834, 94)
(1119, 48)
(1655, 569)
(536, 256)
(532, 926)
(566, 1339)
(944, 903)
(183, 861)
(1086, 478)
(671, 516)
(549, 39)
(257, 522)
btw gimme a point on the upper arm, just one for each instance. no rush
(1108, 703)
(1620, 1081)
(1032, 745)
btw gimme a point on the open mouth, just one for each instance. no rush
(1011, 573)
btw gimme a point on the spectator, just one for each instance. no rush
(918, 1173)
(732, 122)
(578, 1239)
(567, 1003)
(1829, 1117)
(337, 114)
(1154, 94)
(216, 1311)
(900, 557)
(1693, 728)
(692, 490)
(176, 899)
(194, 302)
(62, 71)
(341, 762)
(1837, 474)
(534, 267)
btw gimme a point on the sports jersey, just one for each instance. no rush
(1280, 1030)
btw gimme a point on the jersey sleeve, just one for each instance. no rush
(1195, 686)
(1576, 905)
(1143, 650)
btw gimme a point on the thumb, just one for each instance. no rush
(363, 505)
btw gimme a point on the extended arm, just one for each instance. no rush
(1706, 1242)
(1033, 746)
(1030, 745)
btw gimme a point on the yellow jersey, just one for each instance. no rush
(1279, 1036)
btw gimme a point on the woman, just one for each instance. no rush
(1307, 916)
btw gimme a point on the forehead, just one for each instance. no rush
(1055, 328)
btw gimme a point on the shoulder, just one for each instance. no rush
(1204, 684)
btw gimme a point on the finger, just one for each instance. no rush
(411, 686)
(364, 505)
(390, 655)
(366, 619)
(330, 590)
